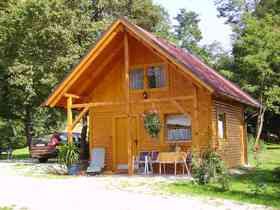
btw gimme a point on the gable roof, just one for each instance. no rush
(189, 63)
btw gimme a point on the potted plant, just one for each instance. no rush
(68, 155)
(152, 123)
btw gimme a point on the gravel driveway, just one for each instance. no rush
(81, 193)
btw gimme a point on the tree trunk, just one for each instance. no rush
(28, 128)
(259, 125)
(83, 147)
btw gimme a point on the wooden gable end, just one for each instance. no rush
(105, 56)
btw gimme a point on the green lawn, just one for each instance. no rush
(18, 154)
(242, 186)
(22, 153)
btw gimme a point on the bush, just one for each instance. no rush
(68, 154)
(209, 167)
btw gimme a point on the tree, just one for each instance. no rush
(144, 13)
(187, 30)
(257, 57)
(39, 40)
(233, 10)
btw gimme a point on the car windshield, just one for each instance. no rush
(63, 137)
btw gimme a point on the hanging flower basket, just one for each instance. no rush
(152, 123)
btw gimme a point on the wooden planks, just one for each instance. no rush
(233, 147)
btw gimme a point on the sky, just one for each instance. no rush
(212, 27)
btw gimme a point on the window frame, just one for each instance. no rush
(166, 129)
(146, 85)
(138, 67)
(225, 130)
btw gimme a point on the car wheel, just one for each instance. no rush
(43, 160)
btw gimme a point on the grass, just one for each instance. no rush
(18, 154)
(242, 186)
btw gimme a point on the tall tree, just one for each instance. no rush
(257, 56)
(187, 31)
(39, 40)
(233, 10)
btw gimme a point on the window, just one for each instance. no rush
(155, 76)
(136, 79)
(178, 128)
(222, 125)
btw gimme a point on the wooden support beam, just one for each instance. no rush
(196, 141)
(80, 116)
(126, 89)
(69, 120)
(97, 104)
(179, 107)
(151, 100)
(67, 95)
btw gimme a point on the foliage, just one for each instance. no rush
(209, 167)
(233, 10)
(258, 188)
(152, 123)
(11, 135)
(187, 34)
(255, 54)
(68, 154)
(187, 31)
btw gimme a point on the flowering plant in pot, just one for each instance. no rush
(152, 123)
(68, 155)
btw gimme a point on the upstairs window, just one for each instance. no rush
(136, 78)
(156, 76)
(178, 128)
(222, 125)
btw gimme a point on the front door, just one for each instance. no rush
(120, 141)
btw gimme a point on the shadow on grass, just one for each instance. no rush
(272, 148)
(258, 175)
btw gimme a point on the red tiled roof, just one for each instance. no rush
(221, 86)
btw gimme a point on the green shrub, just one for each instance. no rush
(210, 168)
(68, 154)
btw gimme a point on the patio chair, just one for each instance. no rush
(97, 162)
(142, 162)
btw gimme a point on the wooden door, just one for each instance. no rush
(120, 141)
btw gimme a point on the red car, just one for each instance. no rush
(43, 150)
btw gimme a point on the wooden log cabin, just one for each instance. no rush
(129, 72)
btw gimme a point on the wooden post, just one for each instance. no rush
(126, 89)
(196, 140)
(69, 120)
